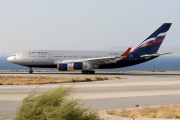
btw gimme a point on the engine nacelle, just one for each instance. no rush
(82, 66)
(65, 67)
(74, 66)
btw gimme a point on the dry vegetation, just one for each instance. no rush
(56, 104)
(117, 77)
(15, 80)
(171, 112)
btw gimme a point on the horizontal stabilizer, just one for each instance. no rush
(155, 55)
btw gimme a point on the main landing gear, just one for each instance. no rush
(88, 72)
(30, 71)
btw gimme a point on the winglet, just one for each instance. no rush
(126, 53)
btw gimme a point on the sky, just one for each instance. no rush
(85, 24)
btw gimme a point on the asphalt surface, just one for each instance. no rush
(142, 88)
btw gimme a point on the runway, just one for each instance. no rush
(142, 88)
(98, 73)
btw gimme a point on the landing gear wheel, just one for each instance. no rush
(83, 72)
(30, 71)
(92, 72)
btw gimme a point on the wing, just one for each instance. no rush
(108, 60)
(95, 62)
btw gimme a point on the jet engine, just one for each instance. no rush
(74, 66)
(65, 66)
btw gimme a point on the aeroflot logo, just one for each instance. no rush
(38, 52)
(151, 41)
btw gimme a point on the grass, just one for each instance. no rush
(88, 80)
(98, 78)
(58, 104)
(169, 112)
(15, 80)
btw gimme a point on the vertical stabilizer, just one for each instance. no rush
(152, 43)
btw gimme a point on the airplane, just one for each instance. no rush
(87, 61)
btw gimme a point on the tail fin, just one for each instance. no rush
(151, 44)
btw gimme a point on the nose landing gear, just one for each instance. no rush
(30, 71)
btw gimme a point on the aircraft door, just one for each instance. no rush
(24, 56)
(50, 56)
(130, 56)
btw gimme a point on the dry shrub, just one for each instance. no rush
(134, 114)
(98, 78)
(105, 78)
(147, 111)
(74, 80)
(111, 112)
(53, 105)
(124, 113)
(117, 77)
(87, 80)
(169, 112)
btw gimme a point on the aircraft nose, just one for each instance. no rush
(9, 59)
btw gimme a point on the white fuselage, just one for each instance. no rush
(48, 57)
